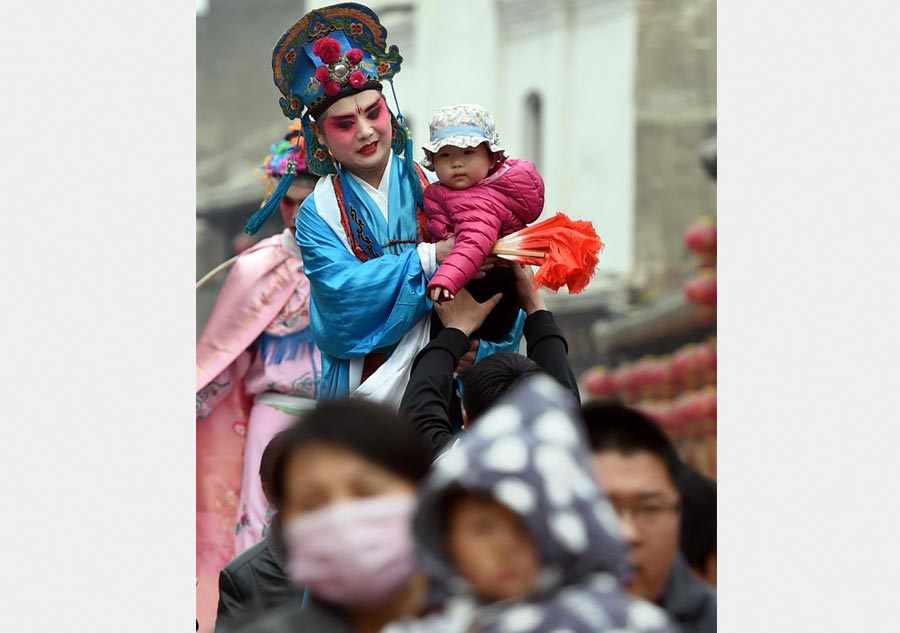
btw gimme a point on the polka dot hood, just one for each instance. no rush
(529, 452)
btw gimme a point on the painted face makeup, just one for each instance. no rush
(357, 132)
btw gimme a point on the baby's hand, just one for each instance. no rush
(441, 294)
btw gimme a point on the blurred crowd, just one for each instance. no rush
(542, 512)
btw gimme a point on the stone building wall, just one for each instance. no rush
(675, 101)
(238, 117)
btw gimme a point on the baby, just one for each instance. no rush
(481, 196)
(513, 522)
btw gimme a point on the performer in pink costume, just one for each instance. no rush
(257, 372)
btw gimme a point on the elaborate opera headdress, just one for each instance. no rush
(328, 54)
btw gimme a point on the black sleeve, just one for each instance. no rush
(427, 397)
(547, 346)
(231, 602)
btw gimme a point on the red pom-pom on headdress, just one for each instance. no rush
(328, 49)
(332, 88)
(322, 74)
(354, 56)
(357, 79)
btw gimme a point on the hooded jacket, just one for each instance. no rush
(503, 203)
(530, 454)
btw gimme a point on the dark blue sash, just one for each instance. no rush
(359, 231)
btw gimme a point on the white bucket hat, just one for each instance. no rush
(462, 126)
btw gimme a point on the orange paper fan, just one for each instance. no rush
(567, 251)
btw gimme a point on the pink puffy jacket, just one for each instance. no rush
(503, 203)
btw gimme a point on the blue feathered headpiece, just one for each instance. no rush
(328, 54)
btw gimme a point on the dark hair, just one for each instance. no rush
(305, 176)
(614, 427)
(317, 109)
(698, 516)
(373, 431)
(491, 378)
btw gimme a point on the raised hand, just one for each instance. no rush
(529, 298)
(467, 362)
(464, 313)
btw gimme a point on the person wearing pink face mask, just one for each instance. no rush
(345, 482)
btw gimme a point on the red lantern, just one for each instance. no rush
(681, 364)
(701, 290)
(692, 409)
(681, 411)
(673, 416)
(684, 409)
(599, 382)
(656, 377)
(642, 377)
(626, 383)
(664, 377)
(711, 357)
(700, 236)
(706, 412)
(708, 363)
(686, 367)
(653, 372)
(706, 405)
(620, 377)
(696, 359)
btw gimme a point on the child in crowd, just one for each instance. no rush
(481, 196)
(512, 523)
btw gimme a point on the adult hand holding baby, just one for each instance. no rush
(464, 313)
